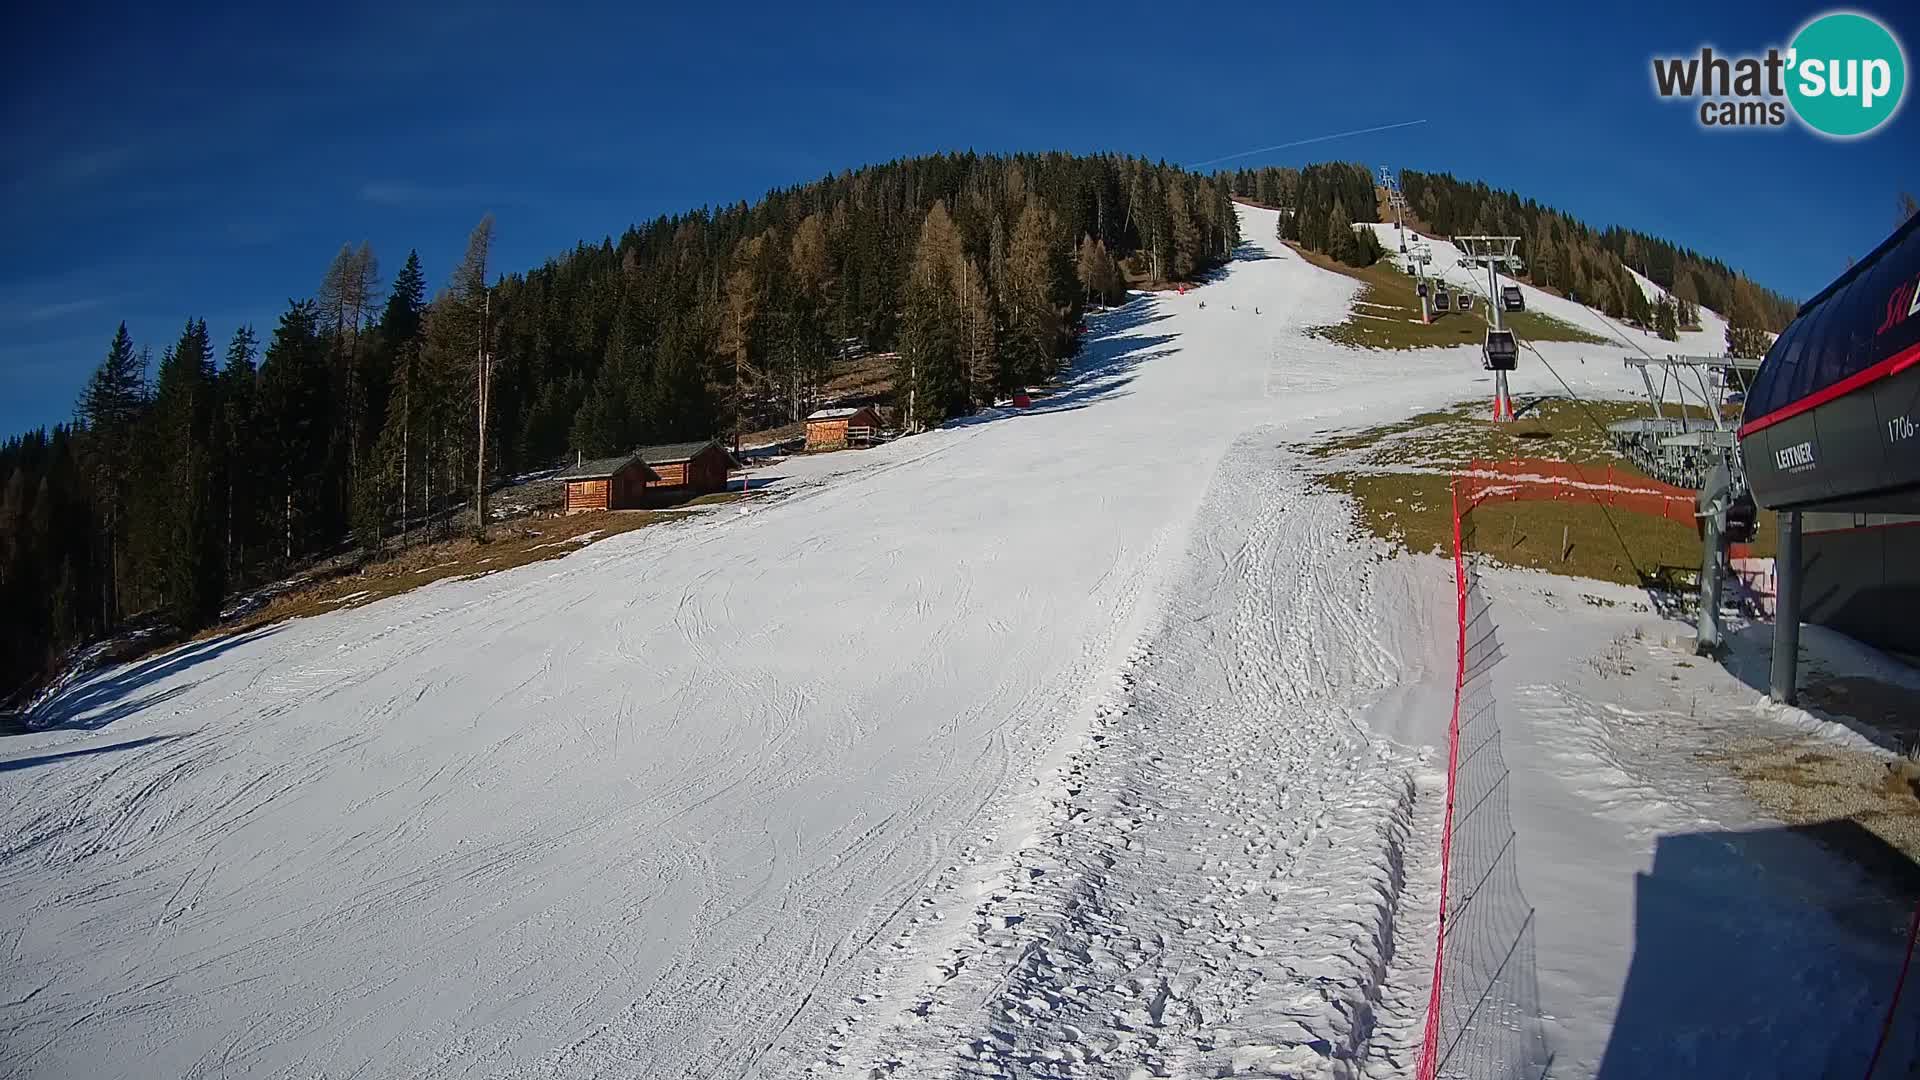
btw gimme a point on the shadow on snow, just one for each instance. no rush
(47, 759)
(92, 704)
(1108, 358)
(1748, 942)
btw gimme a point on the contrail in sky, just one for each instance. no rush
(1303, 142)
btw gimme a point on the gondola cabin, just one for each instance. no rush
(1501, 352)
(1832, 427)
(1442, 300)
(1511, 299)
(1464, 301)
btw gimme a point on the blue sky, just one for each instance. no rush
(160, 162)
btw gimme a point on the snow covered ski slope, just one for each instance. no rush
(1623, 340)
(1086, 694)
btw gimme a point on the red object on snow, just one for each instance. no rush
(1183, 290)
(1022, 401)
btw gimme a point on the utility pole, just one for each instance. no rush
(483, 382)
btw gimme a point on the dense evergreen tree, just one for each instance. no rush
(1666, 321)
(1340, 242)
(1562, 253)
(237, 441)
(1747, 337)
(186, 561)
(928, 378)
(1099, 276)
(110, 408)
(1034, 304)
(393, 477)
(363, 419)
(294, 426)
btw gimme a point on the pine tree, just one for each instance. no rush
(678, 405)
(1687, 296)
(1746, 337)
(1666, 319)
(1033, 315)
(241, 452)
(1340, 240)
(929, 385)
(804, 350)
(1086, 267)
(1183, 234)
(1099, 276)
(345, 300)
(468, 322)
(190, 568)
(979, 345)
(400, 341)
(741, 335)
(294, 428)
(109, 407)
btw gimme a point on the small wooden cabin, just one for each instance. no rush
(649, 476)
(683, 470)
(833, 429)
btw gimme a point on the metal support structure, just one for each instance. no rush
(1713, 548)
(1420, 256)
(1712, 505)
(1783, 686)
(1675, 447)
(1493, 252)
(1397, 202)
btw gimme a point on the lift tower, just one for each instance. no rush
(1697, 451)
(1502, 351)
(1419, 257)
(1396, 202)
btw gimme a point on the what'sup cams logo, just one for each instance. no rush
(1843, 76)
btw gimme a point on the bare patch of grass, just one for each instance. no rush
(1412, 510)
(1804, 782)
(1398, 475)
(1581, 539)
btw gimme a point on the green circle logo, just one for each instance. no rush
(1847, 74)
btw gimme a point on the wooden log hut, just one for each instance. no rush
(649, 476)
(834, 429)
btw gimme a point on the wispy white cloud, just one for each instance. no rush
(29, 314)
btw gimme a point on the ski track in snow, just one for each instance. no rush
(1045, 733)
(1217, 888)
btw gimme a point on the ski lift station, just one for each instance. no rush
(1830, 437)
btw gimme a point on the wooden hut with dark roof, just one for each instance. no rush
(649, 476)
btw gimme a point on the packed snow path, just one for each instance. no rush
(1217, 888)
(666, 807)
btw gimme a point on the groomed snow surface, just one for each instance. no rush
(1085, 740)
